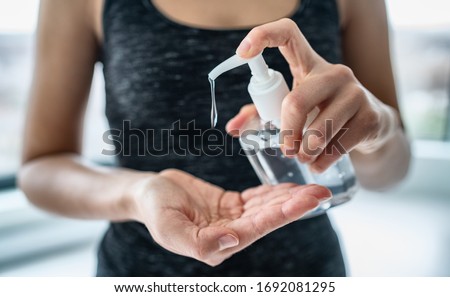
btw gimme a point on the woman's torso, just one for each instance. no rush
(158, 107)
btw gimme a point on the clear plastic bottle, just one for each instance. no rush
(261, 141)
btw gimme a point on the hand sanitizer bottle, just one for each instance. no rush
(260, 138)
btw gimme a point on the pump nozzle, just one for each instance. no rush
(257, 65)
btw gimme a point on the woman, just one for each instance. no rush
(170, 213)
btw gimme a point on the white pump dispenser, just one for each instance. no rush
(267, 87)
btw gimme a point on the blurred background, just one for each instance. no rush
(401, 232)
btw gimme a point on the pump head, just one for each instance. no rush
(267, 87)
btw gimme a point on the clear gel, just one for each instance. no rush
(213, 103)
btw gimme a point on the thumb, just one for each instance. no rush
(175, 232)
(213, 240)
(236, 124)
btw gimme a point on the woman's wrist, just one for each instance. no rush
(389, 123)
(135, 190)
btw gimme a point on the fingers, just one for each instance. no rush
(312, 91)
(292, 205)
(344, 141)
(333, 152)
(320, 192)
(263, 189)
(268, 219)
(236, 124)
(286, 35)
(278, 191)
(326, 125)
(256, 204)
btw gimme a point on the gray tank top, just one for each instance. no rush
(158, 107)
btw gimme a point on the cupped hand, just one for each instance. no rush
(194, 218)
(347, 116)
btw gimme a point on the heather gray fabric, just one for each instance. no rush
(156, 79)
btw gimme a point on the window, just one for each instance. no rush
(15, 74)
(35, 233)
(18, 21)
(421, 55)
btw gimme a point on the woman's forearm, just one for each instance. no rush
(67, 185)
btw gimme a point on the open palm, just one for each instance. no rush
(191, 217)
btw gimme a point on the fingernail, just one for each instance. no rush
(244, 47)
(227, 241)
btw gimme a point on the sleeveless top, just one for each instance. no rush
(158, 107)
